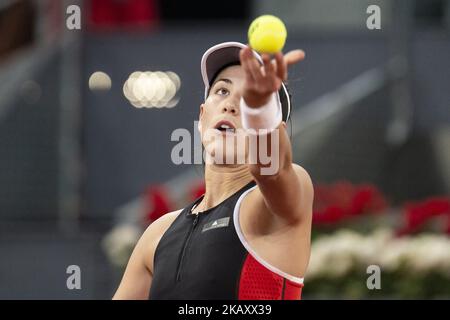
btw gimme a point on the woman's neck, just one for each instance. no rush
(222, 182)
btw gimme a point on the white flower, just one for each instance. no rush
(393, 253)
(337, 254)
(119, 243)
(334, 255)
(430, 253)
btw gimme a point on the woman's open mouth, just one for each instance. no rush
(225, 127)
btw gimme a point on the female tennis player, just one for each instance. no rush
(248, 236)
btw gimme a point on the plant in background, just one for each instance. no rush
(419, 215)
(119, 243)
(411, 267)
(343, 204)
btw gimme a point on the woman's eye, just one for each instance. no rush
(222, 92)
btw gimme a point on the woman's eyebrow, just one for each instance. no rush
(222, 79)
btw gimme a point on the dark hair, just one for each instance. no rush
(235, 63)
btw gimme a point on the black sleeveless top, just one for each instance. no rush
(201, 256)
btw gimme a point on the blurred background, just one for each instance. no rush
(91, 91)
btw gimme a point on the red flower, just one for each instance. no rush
(158, 203)
(331, 215)
(340, 201)
(367, 199)
(417, 214)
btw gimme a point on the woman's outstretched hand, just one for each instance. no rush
(261, 81)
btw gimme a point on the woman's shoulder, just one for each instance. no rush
(162, 223)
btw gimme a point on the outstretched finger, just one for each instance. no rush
(294, 56)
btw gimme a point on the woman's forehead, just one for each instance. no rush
(231, 72)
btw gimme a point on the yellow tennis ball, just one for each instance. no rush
(267, 34)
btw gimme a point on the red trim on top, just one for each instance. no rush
(259, 283)
(292, 290)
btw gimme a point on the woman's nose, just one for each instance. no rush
(232, 104)
(231, 109)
